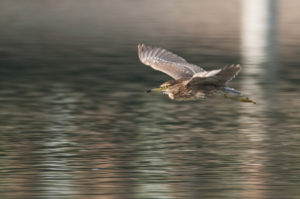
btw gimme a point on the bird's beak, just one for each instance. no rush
(156, 90)
(247, 100)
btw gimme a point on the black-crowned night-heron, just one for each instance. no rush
(190, 81)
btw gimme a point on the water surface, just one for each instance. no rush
(76, 121)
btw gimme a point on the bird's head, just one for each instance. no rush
(165, 87)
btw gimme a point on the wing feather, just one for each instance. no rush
(218, 77)
(167, 62)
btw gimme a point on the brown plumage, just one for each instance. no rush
(190, 81)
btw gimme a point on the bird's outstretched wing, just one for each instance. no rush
(218, 77)
(167, 62)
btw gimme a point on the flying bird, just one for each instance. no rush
(190, 82)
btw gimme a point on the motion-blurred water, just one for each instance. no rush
(76, 121)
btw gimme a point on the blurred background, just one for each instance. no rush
(75, 121)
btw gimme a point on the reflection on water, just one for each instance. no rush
(76, 121)
(258, 54)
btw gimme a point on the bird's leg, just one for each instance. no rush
(236, 95)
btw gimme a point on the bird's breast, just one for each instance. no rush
(184, 93)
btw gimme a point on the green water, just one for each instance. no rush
(76, 122)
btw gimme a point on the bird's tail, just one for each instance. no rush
(236, 95)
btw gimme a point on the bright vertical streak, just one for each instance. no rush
(258, 55)
(258, 46)
(258, 34)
